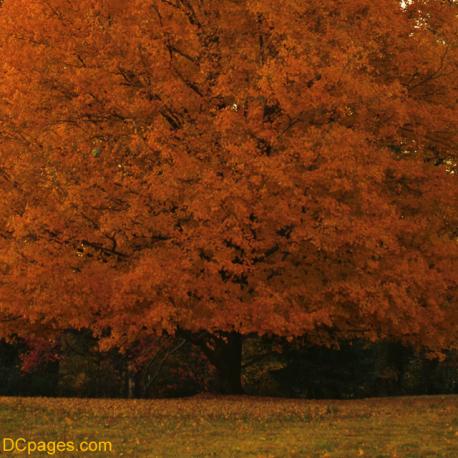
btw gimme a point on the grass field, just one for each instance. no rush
(235, 427)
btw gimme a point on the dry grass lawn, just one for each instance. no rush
(423, 427)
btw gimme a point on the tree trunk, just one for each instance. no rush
(129, 380)
(225, 354)
(228, 362)
(130, 386)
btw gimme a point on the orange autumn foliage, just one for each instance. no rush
(275, 166)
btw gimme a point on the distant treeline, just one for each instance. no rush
(270, 367)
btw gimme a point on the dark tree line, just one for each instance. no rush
(270, 366)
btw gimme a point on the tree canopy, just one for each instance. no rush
(242, 166)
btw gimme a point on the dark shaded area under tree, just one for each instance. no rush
(270, 367)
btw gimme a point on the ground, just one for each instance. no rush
(425, 426)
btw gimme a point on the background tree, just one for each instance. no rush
(216, 169)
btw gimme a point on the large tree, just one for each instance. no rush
(221, 168)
